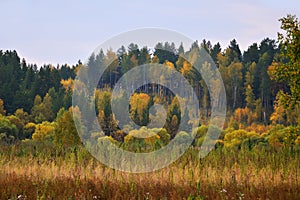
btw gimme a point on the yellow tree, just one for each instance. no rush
(250, 98)
(236, 78)
(231, 71)
(68, 84)
(279, 114)
(169, 64)
(43, 131)
(139, 108)
(8, 131)
(287, 70)
(65, 132)
(2, 111)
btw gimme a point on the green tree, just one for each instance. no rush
(42, 110)
(37, 110)
(250, 98)
(235, 83)
(22, 115)
(65, 132)
(19, 125)
(288, 69)
(10, 76)
(48, 103)
(173, 118)
(8, 131)
(252, 54)
(215, 51)
(235, 54)
(105, 116)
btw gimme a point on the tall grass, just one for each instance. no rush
(43, 172)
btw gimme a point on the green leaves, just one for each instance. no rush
(288, 69)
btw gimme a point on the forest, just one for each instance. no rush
(257, 155)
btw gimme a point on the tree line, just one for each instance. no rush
(262, 87)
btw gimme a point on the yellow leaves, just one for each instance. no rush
(272, 69)
(128, 138)
(68, 84)
(75, 110)
(222, 60)
(297, 141)
(244, 116)
(237, 137)
(252, 134)
(258, 128)
(149, 136)
(106, 139)
(30, 125)
(235, 134)
(279, 111)
(139, 102)
(169, 64)
(2, 111)
(187, 67)
(235, 70)
(155, 59)
(240, 114)
(280, 136)
(42, 131)
(29, 129)
(76, 70)
(152, 140)
(157, 99)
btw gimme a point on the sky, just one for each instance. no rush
(64, 31)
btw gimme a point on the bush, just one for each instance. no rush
(143, 139)
(280, 136)
(237, 138)
(8, 130)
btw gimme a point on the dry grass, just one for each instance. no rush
(221, 175)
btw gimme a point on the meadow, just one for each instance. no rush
(38, 171)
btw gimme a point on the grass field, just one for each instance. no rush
(27, 172)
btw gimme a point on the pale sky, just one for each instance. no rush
(64, 31)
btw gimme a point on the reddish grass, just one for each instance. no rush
(221, 175)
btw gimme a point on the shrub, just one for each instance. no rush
(237, 138)
(280, 136)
